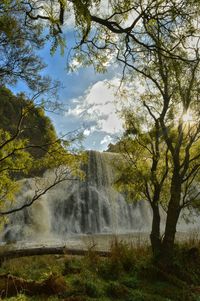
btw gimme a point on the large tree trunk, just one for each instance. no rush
(155, 231)
(172, 219)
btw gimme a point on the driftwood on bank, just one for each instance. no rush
(11, 286)
(15, 253)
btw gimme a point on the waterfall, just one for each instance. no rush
(93, 206)
(77, 207)
(90, 206)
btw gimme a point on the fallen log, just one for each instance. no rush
(11, 286)
(15, 253)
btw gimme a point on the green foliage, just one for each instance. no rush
(82, 16)
(87, 284)
(13, 160)
(34, 125)
(131, 281)
(24, 267)
(117, 290)
(19, 297)
(28, 147)
(145, 282)
(134, 169)
(18, 42)
(72, 266)
(123, 254)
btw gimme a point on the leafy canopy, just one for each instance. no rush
(28, 147)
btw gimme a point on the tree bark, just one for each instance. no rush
(172, 219)
(155, 231)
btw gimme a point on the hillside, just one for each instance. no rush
(20, 117)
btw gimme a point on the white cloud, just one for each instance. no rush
(86, 132)
(99, 106)
(106, 140)
(89, 130)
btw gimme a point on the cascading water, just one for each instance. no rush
(91, 206)
(88, 206)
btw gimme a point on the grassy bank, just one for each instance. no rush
(128, 274)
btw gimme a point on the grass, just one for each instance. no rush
(128, 274)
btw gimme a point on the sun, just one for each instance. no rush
(187, 117)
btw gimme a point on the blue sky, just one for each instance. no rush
(89, 103)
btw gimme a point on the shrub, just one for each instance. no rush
(86, 284)
(117, 290)
(72, 266)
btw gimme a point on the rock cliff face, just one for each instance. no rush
(89, 206)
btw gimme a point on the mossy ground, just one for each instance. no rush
(128, 274)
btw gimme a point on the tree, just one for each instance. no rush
(161, 45)
(143, 172)
(172, 95)
(117, 30)
(147, 168)
(17, 48)
(22, 153)
(19, 59)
